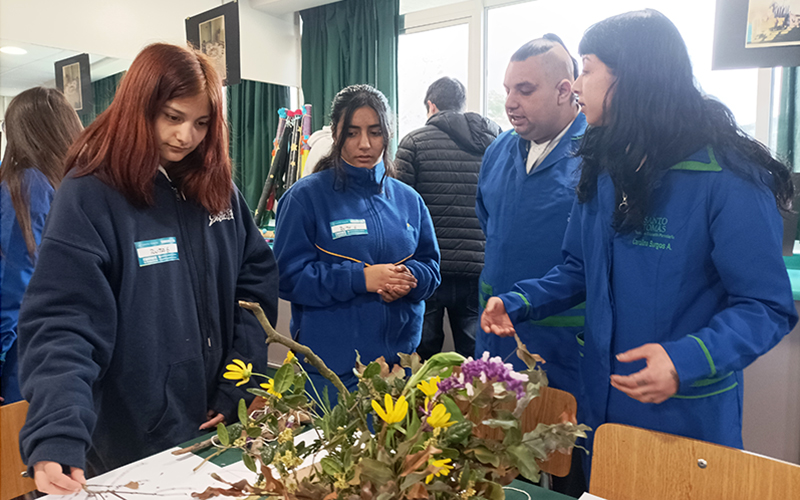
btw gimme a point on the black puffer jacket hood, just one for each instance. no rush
(470, 131)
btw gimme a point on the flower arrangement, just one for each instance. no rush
(407, 432)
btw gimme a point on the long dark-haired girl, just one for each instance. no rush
(40, 126)
(356, 247)
(674, 243)
(131, 315)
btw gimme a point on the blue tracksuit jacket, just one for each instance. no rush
(130, 318)
(327, 228)
(705, 279)
(16, 268)
(524, 217)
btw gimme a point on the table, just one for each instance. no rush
(165, 476)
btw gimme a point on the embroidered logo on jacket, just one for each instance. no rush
(654, 227)
(221, 216)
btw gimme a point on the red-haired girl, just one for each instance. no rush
(131, 314)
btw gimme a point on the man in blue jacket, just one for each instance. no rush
(525, 194)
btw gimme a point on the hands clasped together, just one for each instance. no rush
(389, 281)
(653, 384)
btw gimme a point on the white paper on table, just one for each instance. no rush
(165, 476)
(589, 496)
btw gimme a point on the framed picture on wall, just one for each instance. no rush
(74, 79)
(756, 34)
(215, 33)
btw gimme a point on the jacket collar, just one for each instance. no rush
(568, 143)
(364, 178)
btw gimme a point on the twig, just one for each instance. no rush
(313, 359)
(202, 445)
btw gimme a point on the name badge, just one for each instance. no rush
(348, 227)
(156, 251)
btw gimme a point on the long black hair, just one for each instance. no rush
(654, 116)
(345, 104)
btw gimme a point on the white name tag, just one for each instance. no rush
(156, 251)
(348, 227)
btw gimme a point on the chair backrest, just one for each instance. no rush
(12, 484)
(548, 408)
(630, 463)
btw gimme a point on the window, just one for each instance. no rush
(423, 57)
(693, 18)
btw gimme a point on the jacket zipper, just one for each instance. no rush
(202, 319)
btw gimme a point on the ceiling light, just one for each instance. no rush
(14, 51)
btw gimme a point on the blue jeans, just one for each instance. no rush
(459, 296)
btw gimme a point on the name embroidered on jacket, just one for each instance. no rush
(220, 216)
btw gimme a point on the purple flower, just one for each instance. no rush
(494, 369)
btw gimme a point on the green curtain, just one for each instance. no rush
(253, 119)
(104, 91)
(788, 146)
(345, 43)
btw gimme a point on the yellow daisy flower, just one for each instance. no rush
(429, 387)
(395, 412)
(270, 387)
(290, 357)
(439, 417)
(444, 469)
(239, 371)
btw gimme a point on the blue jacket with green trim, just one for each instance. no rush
(524, 217)
(328, 227)
(704, 278)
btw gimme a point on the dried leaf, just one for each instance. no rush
(271, 484)
(413, 462)
(522, 353)
(132, 485)
(412, 361)
(417, 492)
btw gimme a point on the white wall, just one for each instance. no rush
(121, 28)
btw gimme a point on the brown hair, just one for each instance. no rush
(120, 146)
(40, 127)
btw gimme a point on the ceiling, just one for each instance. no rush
(280, 7)
(35, 68)
(20, 72)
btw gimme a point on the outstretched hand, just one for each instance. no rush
(50, 478)
(495, 319)
(654, 383)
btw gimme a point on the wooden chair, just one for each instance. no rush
(630, 463)
(548, 408)
(12, 484)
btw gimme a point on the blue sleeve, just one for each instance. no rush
(16, 264)
(746, 230)
(257, 282)
(563, 287)
(304, 279)
(480, 208)
(67, 333)
(424, 265)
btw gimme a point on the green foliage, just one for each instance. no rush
(423, 443)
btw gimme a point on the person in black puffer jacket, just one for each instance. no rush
(442, 161)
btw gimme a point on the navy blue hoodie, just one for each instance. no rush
(130, 318)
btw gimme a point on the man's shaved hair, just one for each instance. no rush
(557, 59)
